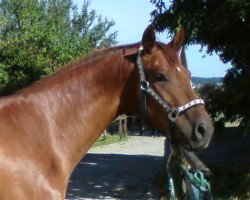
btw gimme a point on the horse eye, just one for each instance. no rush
(159, 77)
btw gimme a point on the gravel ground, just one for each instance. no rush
(136, 145)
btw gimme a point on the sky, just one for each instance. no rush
(131, 17)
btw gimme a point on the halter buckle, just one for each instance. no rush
(173, 114)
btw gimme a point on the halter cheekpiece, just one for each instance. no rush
(173, 113)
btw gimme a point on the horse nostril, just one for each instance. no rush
(199, 132)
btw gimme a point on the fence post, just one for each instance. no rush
(122, 126)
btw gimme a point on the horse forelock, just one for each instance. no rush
(168, 52)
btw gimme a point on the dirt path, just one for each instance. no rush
(126, 170)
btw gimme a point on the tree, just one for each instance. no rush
(222, 27)
(38, 37)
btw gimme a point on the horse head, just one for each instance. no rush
(172, 106)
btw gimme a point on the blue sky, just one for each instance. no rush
(131, 17)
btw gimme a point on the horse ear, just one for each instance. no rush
(183, 57)
(178, 40)
(148, 39)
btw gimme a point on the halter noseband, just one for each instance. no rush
(173, 113)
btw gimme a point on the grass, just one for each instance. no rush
(109, 139)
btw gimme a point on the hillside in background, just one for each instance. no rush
(202, 81)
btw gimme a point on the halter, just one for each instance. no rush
(173, 113)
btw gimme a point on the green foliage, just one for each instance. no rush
(210, 93)
(223, 27)
(37, 37)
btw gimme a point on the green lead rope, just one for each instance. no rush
(197, 179)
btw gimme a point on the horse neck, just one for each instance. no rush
(80, 104)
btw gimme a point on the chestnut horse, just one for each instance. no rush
(46, 128)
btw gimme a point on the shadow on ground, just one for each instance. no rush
(114, 176)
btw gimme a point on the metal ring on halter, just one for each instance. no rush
(144, 85)
(173, 114)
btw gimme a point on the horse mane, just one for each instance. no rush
(98, 54)
(125, 49)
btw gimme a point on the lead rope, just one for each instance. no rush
(197, 179)
(198, 188)
(172, 152)
(171, 188)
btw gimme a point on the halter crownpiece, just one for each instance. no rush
(173, 113)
